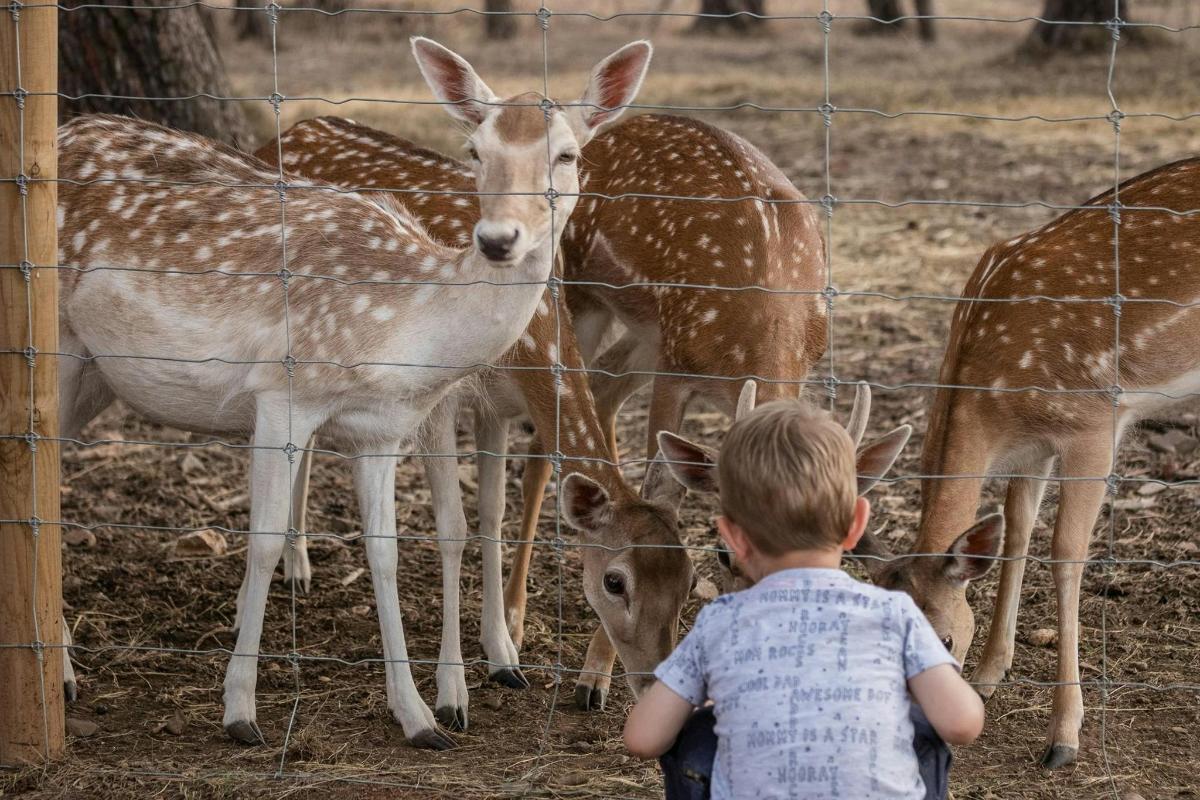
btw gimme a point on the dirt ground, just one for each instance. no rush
(129, 597)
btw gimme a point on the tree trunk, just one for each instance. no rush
(499, 26)
(251, 24)
(890, 12)
(147, 52)
(1049, 36)
(738, 24)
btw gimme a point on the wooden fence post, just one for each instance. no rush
(31, 680)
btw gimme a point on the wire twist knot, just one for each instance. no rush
(825, 19)
(543, 18)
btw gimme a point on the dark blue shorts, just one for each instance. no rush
(687, 766)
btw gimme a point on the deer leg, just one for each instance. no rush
(296, 568)
(70, 687)
(298, 548)
(272, 473)
(442, 473)
(533, 491)
(591, 690)
(1020, 514)
(1078, 506)
(619, 372)
(491, 435)
(667, 403)
(375, 479)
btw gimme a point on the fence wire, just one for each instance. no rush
(831, 294)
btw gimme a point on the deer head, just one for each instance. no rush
(695, 466)
(523, 147)
(636, 575)
(938, 583)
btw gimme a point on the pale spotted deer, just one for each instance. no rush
(637, 591)
(674, 272)
(1032, 359)
(206, 304)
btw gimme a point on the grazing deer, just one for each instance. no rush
(694, 466)
(187, 308)
(637, 591)
(1039, 378)
(646, 261)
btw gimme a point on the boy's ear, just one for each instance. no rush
(858, 524)
(693, 465)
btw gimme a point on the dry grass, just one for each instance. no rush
(128, 590)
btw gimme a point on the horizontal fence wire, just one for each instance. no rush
(1115, 392)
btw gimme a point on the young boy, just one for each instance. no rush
(811, 674)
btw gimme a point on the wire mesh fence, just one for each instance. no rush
(570, 446)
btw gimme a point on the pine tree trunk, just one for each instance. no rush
(1048, 36)
(147, 52)
(738, 24)
(498, 26)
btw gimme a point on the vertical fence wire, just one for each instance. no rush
(1112, 482)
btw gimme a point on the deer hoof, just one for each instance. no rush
(1059, 755)
(433, 739)
(512, 677)
(453, 718)
(589, 698)
(245, 731)
(298, 585)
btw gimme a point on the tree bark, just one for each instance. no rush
(1048, 36)
(147, 53)
(729, 24)
(498, 26)
(251, 24)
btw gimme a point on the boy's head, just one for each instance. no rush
(787, 478)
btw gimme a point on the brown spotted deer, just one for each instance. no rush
(1039, 375)
(207, 305)
(648, 586)
(661, 267)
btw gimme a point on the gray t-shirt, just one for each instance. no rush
(807, 672)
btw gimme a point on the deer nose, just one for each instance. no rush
(497, 241)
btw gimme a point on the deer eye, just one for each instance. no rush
(614, 583)
(472, 152)
(567, 157)
(723, 557)
(948, 643)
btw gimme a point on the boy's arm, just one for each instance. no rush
(655, 721)
(952, 707)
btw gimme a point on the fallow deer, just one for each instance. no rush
(674, 272)
(637, 591)
(208, 305)
(1034, 374)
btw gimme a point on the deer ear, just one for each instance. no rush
(452, 80)
(692, 465)
(975, 551)
(875, 554)
(614, 84)
(585, 504)
(877, 458)
(660, 486)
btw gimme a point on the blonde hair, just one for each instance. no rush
(787, 477)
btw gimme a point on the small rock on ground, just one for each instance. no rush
(81, 728)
